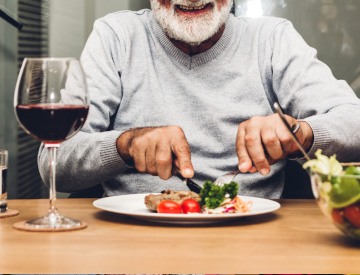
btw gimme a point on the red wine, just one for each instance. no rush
(52, 123)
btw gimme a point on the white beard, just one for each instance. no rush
(191, 31)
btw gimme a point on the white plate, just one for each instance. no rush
(134, 206)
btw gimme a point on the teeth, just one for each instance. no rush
(191, 8)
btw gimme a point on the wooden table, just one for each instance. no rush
(295, 239)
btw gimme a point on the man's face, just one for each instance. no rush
(191, 21)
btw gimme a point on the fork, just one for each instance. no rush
(226, 178)
(291, 131)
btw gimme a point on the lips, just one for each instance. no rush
(194, 10)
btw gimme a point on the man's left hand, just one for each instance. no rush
(262, 141)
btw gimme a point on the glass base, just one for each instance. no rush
(53, 221)
(3, 206)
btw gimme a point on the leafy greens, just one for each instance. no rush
(213, 195)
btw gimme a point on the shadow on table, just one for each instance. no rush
(341, 240)
(119, 218)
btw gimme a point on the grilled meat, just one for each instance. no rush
(152, 201)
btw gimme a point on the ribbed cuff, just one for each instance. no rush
(322, 137)
(110, 158)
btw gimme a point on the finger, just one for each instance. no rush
(245, 162)
(181, 150)
(138, 155)
(301, 136)
(256, 151)
(305, 135)
(272, 143)
(150, 160)
(253, 169)
(176, 162)
(163, 161)
(285, 139)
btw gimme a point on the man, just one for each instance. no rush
(189, 85)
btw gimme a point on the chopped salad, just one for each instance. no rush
(339, 191)
(217, 199)
(213, 199)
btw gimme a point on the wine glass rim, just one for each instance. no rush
(50, 58)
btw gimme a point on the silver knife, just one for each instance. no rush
(193, 186)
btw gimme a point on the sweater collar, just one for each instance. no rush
(196, 60)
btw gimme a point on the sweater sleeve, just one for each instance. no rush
(90, 157)
(306, 89)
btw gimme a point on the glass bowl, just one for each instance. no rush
(339, 199)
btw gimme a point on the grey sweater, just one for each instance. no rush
(138, 78)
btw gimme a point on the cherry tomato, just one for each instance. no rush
(168, 206)
(337, 216)
(352, 213)
(190, 206)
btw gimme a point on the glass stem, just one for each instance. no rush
(52, 177)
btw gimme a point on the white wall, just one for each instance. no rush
(104, 7)
(67, 27)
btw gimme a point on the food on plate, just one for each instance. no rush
(338, 188)
(217, 199)
(190, 206)
(187, 206)
(213, 199)
(152, 201)
(168, 206)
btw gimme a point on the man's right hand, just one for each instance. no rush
(155, 150)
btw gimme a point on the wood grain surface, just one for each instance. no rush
(297, 238)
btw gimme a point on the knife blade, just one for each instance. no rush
(193, 186)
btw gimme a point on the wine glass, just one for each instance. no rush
(51, 104)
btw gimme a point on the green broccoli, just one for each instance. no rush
(213, 195)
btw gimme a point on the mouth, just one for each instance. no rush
(193, 10)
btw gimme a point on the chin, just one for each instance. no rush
(189, 22)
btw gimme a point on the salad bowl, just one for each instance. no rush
(336, 187)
